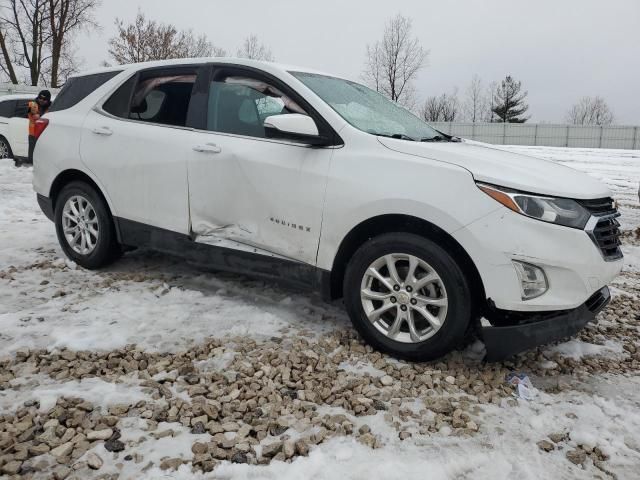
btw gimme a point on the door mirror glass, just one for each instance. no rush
(294, 126)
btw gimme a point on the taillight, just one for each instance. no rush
(40, 126)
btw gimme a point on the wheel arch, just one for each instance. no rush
(389, 223)
(72, 175)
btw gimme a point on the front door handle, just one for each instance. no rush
(208, 148)
(106, 131)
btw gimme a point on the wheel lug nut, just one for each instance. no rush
(403, 308)
(396, 287)
(393, 300)
(409, 289)
(413, 301)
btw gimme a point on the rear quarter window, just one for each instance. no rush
(78, 88)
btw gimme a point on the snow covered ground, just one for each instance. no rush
(588, 389)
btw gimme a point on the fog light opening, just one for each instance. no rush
(533, 281)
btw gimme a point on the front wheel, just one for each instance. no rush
(407, 296)
(84, 226)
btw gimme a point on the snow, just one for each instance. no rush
(46, 391)
(161, 304)
(577, 349)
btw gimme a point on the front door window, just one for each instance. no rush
(240, 105)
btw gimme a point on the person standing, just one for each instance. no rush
(37, 108)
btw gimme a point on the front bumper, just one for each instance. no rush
(573, 264)
(515, 332)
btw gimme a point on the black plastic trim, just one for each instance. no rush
(504, 341)
(46, 205)
(277, 269)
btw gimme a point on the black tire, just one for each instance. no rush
(5, 147)
(106, 249)
(458, 315)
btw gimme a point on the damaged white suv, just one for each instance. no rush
(317, 181)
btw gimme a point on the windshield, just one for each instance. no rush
(366, 109)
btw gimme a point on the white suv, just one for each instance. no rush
(320, 182)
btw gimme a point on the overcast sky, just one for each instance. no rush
(559, 49)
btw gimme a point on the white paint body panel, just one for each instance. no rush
(142, 166)
(489, 164)
(16, 129)
(262, 193)
(247, 193)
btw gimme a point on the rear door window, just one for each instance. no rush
(21, 109)
(160, 96)
(78, 88)
(6, 108)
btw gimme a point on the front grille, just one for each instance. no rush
(600, 207)
(604, 229)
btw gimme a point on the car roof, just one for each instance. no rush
(271, 67)
(19, 96)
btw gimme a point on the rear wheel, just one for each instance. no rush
(407, 296)
(5, 148)
(84, 226)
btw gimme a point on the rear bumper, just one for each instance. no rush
(531, 330)
(46, 206)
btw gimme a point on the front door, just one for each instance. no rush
(248, 192)
(137, 145)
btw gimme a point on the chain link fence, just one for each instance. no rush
(545, 135)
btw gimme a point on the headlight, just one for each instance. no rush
(561, 211)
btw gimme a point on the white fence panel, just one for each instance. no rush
(544, 134)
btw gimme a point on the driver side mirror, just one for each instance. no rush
(294, 127)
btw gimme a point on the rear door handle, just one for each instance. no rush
(207, 148)
(106, 131)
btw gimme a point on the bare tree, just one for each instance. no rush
(509, 102)
(253, 49)
(475, 104)
(6, 47)
(25, 29)
(146, 40)
(68, 64)
(36, 35)
(443, 108)
(66, 17)
(489, 115)
(393, 63)
(590, 111)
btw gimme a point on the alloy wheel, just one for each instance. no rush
(80, 225)
(404, 298)
(4, 149)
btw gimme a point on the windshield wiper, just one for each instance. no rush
(399, 136)
(437, 138)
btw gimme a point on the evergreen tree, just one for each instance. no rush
(508, 101)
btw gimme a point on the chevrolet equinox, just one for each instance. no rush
(320, 182)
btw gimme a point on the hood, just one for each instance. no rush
(499, 167)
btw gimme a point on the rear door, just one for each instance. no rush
(136, 145)
(19, 129)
